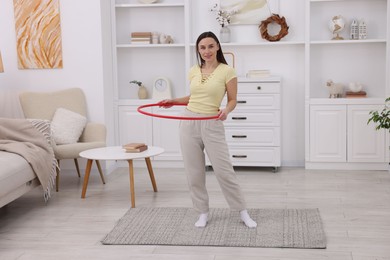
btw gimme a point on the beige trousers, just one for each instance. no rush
(195, 137)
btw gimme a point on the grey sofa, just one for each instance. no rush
(16, 177)
(26, 158)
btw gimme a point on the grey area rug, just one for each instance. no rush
(282, 228)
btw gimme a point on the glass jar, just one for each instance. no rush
(224, 34)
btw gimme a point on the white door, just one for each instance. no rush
(166, 133)
(365, 144)
(328, 140)
(133, 126)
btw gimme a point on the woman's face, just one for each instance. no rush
(207, 49)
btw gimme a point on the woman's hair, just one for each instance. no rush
(220, 57)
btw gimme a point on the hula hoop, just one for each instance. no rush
(139, 109)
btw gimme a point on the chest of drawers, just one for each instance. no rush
(253, 129)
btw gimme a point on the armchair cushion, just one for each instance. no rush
(67, 126)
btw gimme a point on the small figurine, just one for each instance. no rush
(169, 39)
(336, 90)
(362, 30)
(354, 30)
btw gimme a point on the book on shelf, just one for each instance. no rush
(141, 37)
(359, 94)
(258, 73)
(140, 42)
(135, 147)
(141, 34)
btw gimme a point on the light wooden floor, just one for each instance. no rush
(354, 205)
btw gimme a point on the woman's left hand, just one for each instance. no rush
(222, 115)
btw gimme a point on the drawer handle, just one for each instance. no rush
(239, 118)
(239, 136)
(241, 101)
(240, 156)
(259, 87)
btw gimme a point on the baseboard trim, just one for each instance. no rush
(347, 166)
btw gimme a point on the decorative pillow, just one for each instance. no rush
(67, 126)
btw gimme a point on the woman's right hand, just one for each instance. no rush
(166, 103)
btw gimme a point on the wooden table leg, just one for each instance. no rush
(132, 192)
(86, 177)
(58, 176)
(100, 171)
(151, 174)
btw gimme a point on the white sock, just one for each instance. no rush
(250, 223)
(202, 221)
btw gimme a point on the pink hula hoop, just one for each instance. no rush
(139, 109)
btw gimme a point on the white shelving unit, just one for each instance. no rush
(145, 62)
(332, 134)
(305, 59)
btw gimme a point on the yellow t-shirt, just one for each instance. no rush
(206, 97)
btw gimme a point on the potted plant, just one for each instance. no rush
(382, 119)
(142, 91)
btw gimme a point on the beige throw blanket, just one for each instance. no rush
(31, 140)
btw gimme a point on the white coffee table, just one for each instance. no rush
(118, 153)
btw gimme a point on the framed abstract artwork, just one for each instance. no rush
(38, 34)
(250, 11)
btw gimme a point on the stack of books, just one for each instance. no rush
(360, 94)
(258, 73)
(141, 37)
(135, 147)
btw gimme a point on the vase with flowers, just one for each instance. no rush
(142, 91)
(224, 18)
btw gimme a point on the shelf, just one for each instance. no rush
(147, 5)
(349, 41)
(338, 0)
(271, 78)
(149, 45)
(249, 44)
(346, 101)
(136, 102)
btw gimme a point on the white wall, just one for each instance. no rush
(81, 50)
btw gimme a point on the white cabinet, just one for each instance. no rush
(364, 142)
(328, 133)
(338, 134)
(253, 129)
(166, 134)
(136, 127)
(340, 138)
(133, 126)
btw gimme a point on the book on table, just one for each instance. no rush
(135, 147)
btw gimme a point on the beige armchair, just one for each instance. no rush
(43, 105)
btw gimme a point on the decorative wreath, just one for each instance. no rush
(274, 18)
